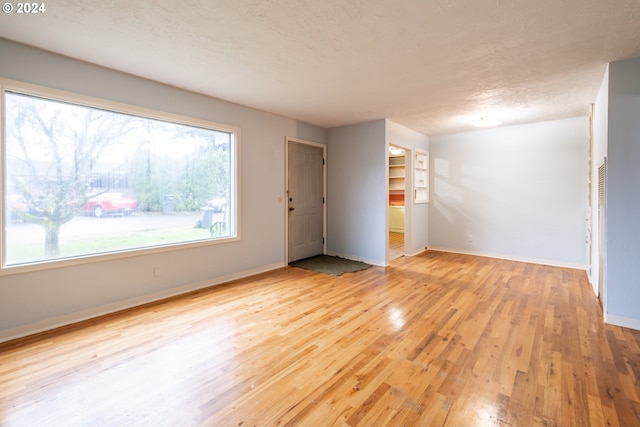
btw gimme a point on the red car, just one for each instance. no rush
(16, 204)
(110, 204)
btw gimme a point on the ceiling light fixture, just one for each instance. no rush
(486, 122)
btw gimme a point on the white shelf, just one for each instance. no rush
(396, 173)
(396, 161)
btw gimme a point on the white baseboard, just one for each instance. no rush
(549, 262)
(625, 322)
(418, 252)
(67, 319)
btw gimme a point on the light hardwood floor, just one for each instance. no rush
(433, 340)
(396, 245)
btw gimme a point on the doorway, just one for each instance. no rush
(305, 199)
(397, 211)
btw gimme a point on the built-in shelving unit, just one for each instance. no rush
(396, 173)
(421, 177)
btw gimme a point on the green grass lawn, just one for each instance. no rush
(69, 246)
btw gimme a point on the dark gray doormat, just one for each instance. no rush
(332, 265)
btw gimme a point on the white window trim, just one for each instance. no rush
(99, 103)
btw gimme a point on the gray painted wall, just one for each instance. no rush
(40, 300)
(623, 194)
(520, 191)
(356, 192)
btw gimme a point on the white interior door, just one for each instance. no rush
(305, 200)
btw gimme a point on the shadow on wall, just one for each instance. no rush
(456, 203)
(449, 204)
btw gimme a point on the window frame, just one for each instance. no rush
(7, 85)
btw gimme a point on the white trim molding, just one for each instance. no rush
(552, 263)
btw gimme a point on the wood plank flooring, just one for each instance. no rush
(433, 340)
(396, 245)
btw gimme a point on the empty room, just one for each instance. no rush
(337, 213)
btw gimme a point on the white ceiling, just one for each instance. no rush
(431, 65)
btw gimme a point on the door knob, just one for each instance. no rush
(290, 209)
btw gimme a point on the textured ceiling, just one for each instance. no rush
(431, 65)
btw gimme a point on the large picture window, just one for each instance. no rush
(83, 181)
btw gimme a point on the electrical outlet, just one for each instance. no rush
(156, 272)
(470, 237)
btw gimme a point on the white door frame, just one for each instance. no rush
(286, 186)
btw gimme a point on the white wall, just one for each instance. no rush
(520, 191)
(41, 300)
(357, 197)
(622, 291)
(416, 215)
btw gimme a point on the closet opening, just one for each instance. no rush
(397, 189)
